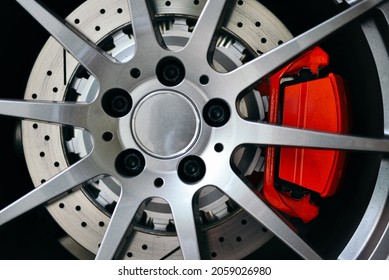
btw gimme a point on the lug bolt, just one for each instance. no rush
(130, 163)
(170, 71)
(191, 169)
(117, 102)
(216, 113)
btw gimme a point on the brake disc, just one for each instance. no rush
(227, 231)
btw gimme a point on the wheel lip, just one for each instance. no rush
(371, 238)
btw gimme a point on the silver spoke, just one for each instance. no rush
(266, 134)
(73, 176)
(67, 113)
(121, 219)
(237, 190)
(147, 36)
(88, 54)
(185, 224)
(204, 32)
(241, 78)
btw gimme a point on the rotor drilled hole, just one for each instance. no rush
(76, 21)
(55, 89)
(213, 254)
(221, 239)
(56, 164)
(83, 224)
(129, 255)
(238, 239)
(102, 11)
(258, 24)
(264, 229)
(240, 2)
(42, 154)
(280, 42)
(263, 40)
(196, 2)
(35, 126)
(49, 73)
(244, 222)
(168, 3)
(43, 181)
(47, 138)
(120, 10)
(34, 96)
(101, 224)
(97, 28)
(61, 205)
(78, 208)
(239, 24)
(144, 247)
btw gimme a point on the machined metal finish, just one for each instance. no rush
(166, 124)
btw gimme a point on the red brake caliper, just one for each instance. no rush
(293, 176)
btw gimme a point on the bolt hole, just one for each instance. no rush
(135, 73)
(158, 182)
(204, 79)
(219, 147)
(107, 136)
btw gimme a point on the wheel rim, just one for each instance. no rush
(159, 175)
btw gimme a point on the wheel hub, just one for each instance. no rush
(165, 124)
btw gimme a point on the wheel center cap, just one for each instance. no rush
(166, 124)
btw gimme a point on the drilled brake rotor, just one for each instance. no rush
(228, 232)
